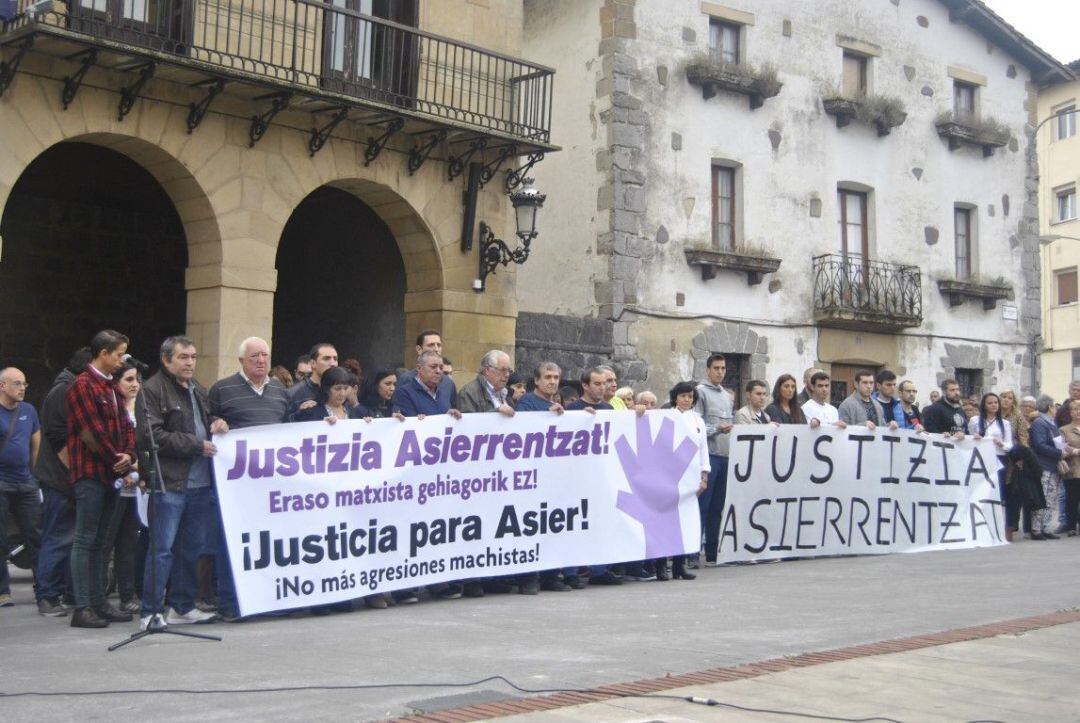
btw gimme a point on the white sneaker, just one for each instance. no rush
(144, 622)
(195, 615)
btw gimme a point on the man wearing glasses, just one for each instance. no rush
(488, 393)
(20, 438)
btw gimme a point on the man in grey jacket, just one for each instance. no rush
(860, 408)
(715, 406)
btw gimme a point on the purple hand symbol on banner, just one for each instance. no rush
(654, 471)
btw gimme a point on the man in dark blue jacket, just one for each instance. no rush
(424, 394)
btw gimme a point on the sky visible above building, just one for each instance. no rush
(1050, 24)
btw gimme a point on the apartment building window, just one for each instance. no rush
(963, 99)
(854, 234)
(1066, 122)
(1065, 283)
(724, 205)
(962, 226)
(1075, 364)
(854, 79)
(724, 40)
(1066, 204)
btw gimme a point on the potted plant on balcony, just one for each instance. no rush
(753, 260)
(987, 292)
(966, 128)
(883, 112)
(712, 74)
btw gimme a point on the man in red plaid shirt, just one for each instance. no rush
(101, 442)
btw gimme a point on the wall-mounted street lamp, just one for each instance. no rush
(1052, 237)
(494, 252)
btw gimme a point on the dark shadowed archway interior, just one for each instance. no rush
(341, 279)
(90, 241)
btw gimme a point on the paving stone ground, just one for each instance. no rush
(730, 616)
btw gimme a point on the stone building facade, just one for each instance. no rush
(1059, 166)
(226, 182)
(837, 184)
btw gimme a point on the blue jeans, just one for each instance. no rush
(227, 604)
(178, 528)
(93, 509)
(57, 534)
(711, 504)
(21, 499)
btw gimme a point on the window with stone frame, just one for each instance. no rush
(963, 232)
(736, 376)
(725, 40)
(970, 381)
(854, 80)
(1065, 284)
(725, 205)
(964, 99)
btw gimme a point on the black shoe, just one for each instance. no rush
(108, 612)
(662, 572)
(87, 618)
(1038, 536)
(555, 586)
(230, 616)
(607, 578)
(685, 575)
(405, 597)
(450, 592)
(51, 608)
(473, 589)
(1050, 536)
(575, 583)
(498, 587)
(532, 587)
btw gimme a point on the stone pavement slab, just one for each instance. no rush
(580, 639)
(896, 686)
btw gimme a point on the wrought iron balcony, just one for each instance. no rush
(316, 51)
(852, 292)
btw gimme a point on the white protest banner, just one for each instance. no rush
(793, 491)
(317, 513)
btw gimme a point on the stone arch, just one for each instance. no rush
(192, 204)
(734, 338)
(104, 249)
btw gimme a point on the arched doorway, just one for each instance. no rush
(90, 241)
(341, 279)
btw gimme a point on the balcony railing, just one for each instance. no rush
(853, 292)
(319, 47)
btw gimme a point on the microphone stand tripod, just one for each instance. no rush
(156, 625)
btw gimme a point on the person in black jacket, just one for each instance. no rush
(58, 504)
(946, 415)
(173, 409)
(375, 397)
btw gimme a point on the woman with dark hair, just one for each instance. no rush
(683, 396)
(123, 531)
(375, 397)
(332, 398)
(785, 408)
(990, 423)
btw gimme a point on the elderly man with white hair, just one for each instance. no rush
(249, 398)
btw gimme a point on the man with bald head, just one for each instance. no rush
(20, 438)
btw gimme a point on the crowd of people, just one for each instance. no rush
(71, 478)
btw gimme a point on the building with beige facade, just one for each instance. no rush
(293, 169)
(845, 184)
(1059, 166)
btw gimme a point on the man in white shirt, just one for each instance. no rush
(817, 409)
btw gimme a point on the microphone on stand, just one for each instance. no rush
(143, 369)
